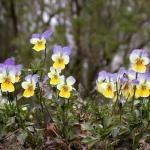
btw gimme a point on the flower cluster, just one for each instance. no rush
(60, 58)
(134, 82)
(10, 72)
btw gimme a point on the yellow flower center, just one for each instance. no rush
(54, 80)
(29, 91)
(65, 88)
(40, 43)
(7, 80)
(30, 88)
(59, 63)
(139, 66)
(109, 93)
(143, 87)
(65, 92)
(60, 60)
(139, 62)
(109, 88)
(7, 85)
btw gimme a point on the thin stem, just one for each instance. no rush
(63, 119)
(9, 101)
(48, 111)
(118, 91)
(65, 108)
(40, 100)
(44, 58)
(133, 99)
(120, 114)
(43, 65)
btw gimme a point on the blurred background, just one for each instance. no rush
(101, 32)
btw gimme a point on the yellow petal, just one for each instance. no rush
(28, 93)
(39, 47)
(54, 80)
(145, 93)
(138, 93)
(64, 94)
(141, 68)
(59, 63)
(108, 93)
(7, 87)
(127, 91)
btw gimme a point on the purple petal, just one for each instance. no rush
(102, 75)
(35, 78)
(135, 81)
(113, 77)
(67, 50)
(11, 69)
(18, 69)
(136, 52)
(57, 49)
(46, 78)
(2, 67)
(123, 80)
(36, 35)
(28, 78)
(47, 34)
(9, 61)
(145, 53)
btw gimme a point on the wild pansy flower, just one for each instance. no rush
(55, 76)
(65, 87)
(10, 64)
(7, 78)
(39, 40)
(61, 56)
(101, 78)
(143, 88)
(124, 85)
(106, 84)
(139, 59)
(29, 85)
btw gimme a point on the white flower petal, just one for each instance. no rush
(52, 69)
(50, 74)
(12, 78)
(133, 57)
(59, 86)
(102, 87)
(34, 40)
(145, 60)
(2, 78)
(43, 41)
(25, 84)
(55, 56)
(70, 80)
(66, 59)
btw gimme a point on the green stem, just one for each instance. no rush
(43, 65)
(65, 108)
(50, 117)
(40, 99)
(63, 119)
(120, 114)
(133, 99)
(116, 99)
(8, 97)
